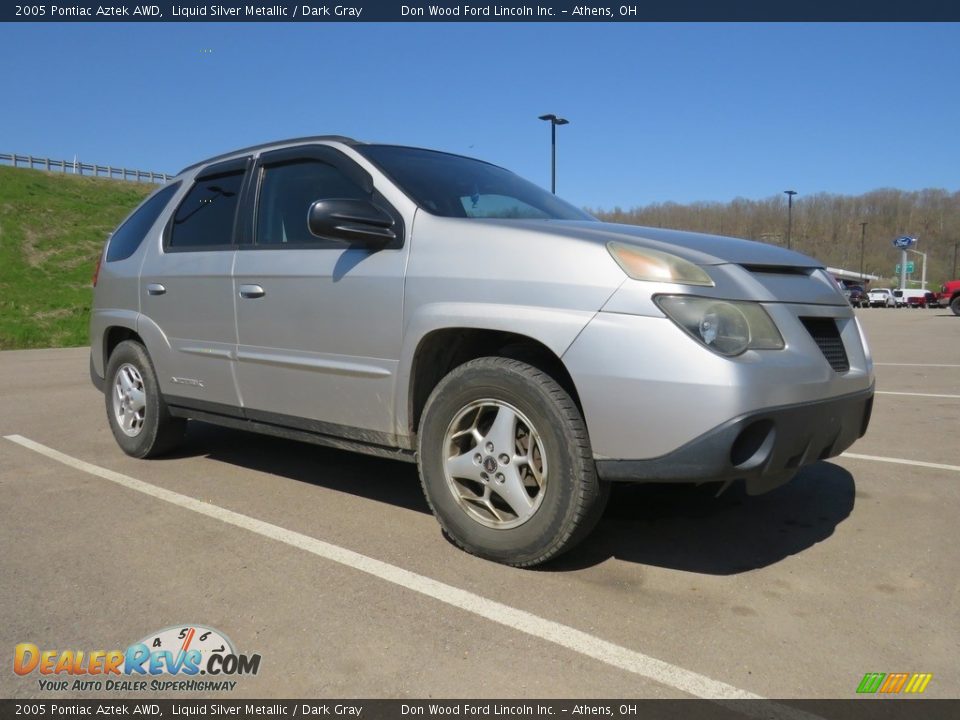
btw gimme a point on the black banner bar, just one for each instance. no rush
(534, 11)
(872, 708)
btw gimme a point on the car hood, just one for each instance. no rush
(697, 247)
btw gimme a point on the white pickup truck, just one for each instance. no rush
(881, 297)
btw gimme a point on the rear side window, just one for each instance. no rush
(206, 215)
(127, 238)
(286, 194)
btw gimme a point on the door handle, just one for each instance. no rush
(252, 291)
(156, 289)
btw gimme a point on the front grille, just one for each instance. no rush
(825, 333)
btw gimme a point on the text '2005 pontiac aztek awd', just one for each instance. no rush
(438, 309)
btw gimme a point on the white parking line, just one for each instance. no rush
(901, 461)
(916, 365)
(933, 395)
(617, 656)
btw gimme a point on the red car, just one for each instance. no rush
(950, 296)
(926, 300)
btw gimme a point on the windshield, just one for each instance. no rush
(455, 186)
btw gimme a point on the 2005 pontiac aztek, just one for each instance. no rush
(438, 309)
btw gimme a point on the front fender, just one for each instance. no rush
(552, 327)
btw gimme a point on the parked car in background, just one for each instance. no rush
(881, 297)
(437, 309)
(905, 296)
(928, 299)
(854, 295)
(950, 295)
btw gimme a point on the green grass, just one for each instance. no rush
(52, 228)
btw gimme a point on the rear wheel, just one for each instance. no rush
(138, 415)
(506, 464)
(955, 305)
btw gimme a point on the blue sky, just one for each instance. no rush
(677, 112)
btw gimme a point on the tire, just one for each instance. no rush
(136, 411)
(955, 305)
(534, 507)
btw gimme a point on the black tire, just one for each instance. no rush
(955, 305)
(157, 432)
(573, 497)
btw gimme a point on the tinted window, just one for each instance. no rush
(205, 217)
(498, 206)
(127, 238)
(286, 193)
(455, 186)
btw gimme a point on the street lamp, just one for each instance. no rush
(789, 194)
(554, 121)
(863, 235)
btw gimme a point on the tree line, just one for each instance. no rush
(828, 227)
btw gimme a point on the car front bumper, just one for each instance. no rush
(661, 406)
(764, 448)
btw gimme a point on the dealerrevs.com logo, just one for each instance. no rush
(171, 659)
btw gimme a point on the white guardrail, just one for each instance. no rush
(81, 168)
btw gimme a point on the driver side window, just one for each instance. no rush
(286, 193)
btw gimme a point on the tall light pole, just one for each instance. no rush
(789, 194)
(554, 121)
(863, 235)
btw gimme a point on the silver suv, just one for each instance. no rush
(441, 310)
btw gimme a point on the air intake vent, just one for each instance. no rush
(824, 332)
(778, 269)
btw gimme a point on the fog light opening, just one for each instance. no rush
(753, 445)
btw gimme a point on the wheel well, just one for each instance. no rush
(441, 351)
(113, 337)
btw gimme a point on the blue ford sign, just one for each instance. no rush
(904, 242)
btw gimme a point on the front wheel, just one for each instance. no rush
(506, 464)
(138, 415)
(955, 305)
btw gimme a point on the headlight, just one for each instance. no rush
(726, 326)
(656, 266)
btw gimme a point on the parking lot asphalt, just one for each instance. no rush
(330, 566)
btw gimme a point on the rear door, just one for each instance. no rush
(186, 292)
(319, 322)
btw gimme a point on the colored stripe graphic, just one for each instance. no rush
(918, 683)
(894, 682)
(871, 682)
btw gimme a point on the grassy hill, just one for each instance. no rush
(52, 227)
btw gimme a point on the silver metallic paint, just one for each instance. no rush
(339, 345)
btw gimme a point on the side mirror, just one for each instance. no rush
(359, 222)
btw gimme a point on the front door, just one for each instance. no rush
(319, 322)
